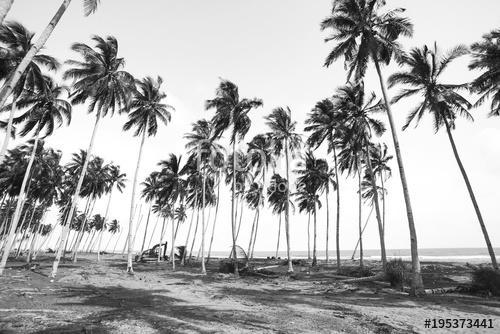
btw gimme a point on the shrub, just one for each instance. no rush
(486, 279)
(397, 273)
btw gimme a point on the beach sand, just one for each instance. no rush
(92, 297)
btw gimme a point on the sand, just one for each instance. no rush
(91, 297)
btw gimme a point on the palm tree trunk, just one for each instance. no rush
(44, 36)
(184, 254)
(417, 285)
(104, 226)
(172, 252)
(239, 219)
(362, 231)
(255, 233)
(4, 8)
(308, 235)
(360, 227)
(377, 207)
(215, 219)
(337, 232)
(8, 129)
(117, 240)
(146, 229)
(472, 197)
(383, 202)
(279, 233)
(194, 234)
(203, 269)
(327, 223)
(130, 270)
(233, 226)
(287, 211)
(82, 232)
(315, 260)
(26, 231)
(161, 240)
(153, 233)
(19, 205)
(252, 232)
(74, 201)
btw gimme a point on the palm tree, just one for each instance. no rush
(363, 33)
(308, 200)
(232, 111)
(147, 110)
(380, 161)
(113, 228)
(203, 145)
(486, 57)
(359, 129)
(115, 178)
(4, 8)
(17, 41)
(254, 197)
(424, 66)
(89, 7)
(284, 138)
(324, 123)
(46, 111)
(99, 78)
(261, 158)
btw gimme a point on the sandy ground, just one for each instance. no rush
(91, 297)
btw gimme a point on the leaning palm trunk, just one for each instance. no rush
(315, 259)
(233, 218)
(4, 8)
(130, 269)
(215, 220)
(287, 211)
(279, 233)
(161, 240)
(172, 251)
(327, 223)
(337, 232)
(417, 285)
(377, 207)
(255, 234)
(8, 129)
(12, 82)
(308, 235)
(472, 197)
(252, 232)
(74, 201)
(153, 233)
(203, 269)
(19, 205)
(146, 230)
(360, 227)
(82, 233)
(194, 235)
(103, 228)
(26, 231)
(383, 201)
(362, 231)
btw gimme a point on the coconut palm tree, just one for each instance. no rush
(254, 197)
(284, 138)
(325, 124)
(99, 79)
(231, 111)
(203, 145)
(147, 111)
(362, 32)
(261, 159)
(17, 42)
(380, 161)
(422, 75)
(46, 110)
(308, 200)
(113, 228)
(5, 8)
(486, 58)
(118, 179)
(89, 7)
(360, 127)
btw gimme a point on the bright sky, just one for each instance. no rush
(274, 50)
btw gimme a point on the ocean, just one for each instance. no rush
(471, 255)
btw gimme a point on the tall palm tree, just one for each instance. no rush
(324, 123)
(46, 110)
(284, 138)
(360, 127)
(363, 33)
(16, 40)
(202, 144)
(89, 7)
(261, 159)
(231, 111)
(99, 79)
(5, 8)
(423, 69)
(115, 178)
(147, 110)
(486, 57)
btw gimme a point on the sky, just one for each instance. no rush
(274, 50)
